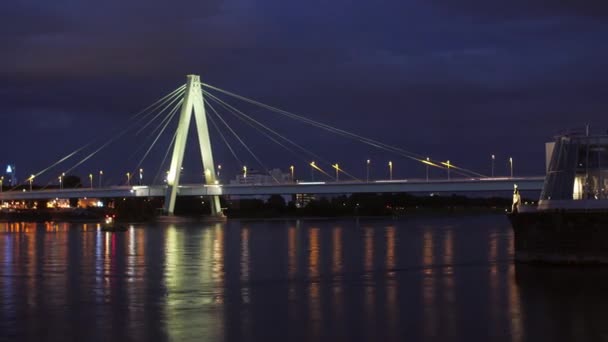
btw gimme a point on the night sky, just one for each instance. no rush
(457, 80)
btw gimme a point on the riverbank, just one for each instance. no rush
(47, 215)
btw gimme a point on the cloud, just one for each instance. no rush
(509, 9)
(73, 38)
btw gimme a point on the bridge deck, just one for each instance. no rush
(395, 186)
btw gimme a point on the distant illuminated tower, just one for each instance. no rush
(11, 175)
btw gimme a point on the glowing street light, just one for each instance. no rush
(128, 178)
(61, 181)
(312, 171)
(141, 176)
(244, 171)
(448, 165)
(91, 179)
(337, 167)
(390, 170)
(31, 179)
(367, 170)
(511, 165)
(493, 158)
(1, 183)
(427, 168)
(219, 170)
(292, 169)
(100, 174)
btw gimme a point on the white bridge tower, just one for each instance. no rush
(193, 104)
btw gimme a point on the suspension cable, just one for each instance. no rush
(223, 136)
(371, 142)
(252, 123)
(242, 142)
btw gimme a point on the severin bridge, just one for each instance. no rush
(193, 101)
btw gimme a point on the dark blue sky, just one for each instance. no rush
(457, 80)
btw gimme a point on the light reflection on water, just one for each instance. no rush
(423, 279)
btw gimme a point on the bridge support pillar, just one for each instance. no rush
(193, 103)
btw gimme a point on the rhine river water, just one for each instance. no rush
(448, 278)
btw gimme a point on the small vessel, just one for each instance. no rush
(570, 222)
(110, 225)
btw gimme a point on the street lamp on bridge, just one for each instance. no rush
(244, 171)
(493, 158)
(128, 178)
(367, 170)
(91, 179)
(1, 183)
(31, 179)
(337, 167)
(390, 170)
(100, 174)
(428, 160)
(511, 165)
(219, 170)
(312, 171)
(141, 176)
(61, 180)
(448, 165)
(292, 169)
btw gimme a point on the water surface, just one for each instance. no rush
(422, 279)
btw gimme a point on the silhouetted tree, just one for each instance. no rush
(276, 202)
(41, 203)
(73, 202)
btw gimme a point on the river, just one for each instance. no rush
(445, 278)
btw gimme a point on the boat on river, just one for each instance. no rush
(570, 223)
(110, 225)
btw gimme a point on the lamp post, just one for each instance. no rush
(448, 164)
(244, 171)
(100, 174)
(128, 178)
(1, 183)
(91, 179)
(493, 158)
(367, 170)
(312, 171)
(219, 170)
(292, 168)
(141, 176)
(427, 168)
(511, 165)
(31, 179)
(337, 167)
(390, 170)
(61, 181)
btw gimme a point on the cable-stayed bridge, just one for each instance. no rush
(204, 103)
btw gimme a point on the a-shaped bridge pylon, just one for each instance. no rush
(193, 105)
